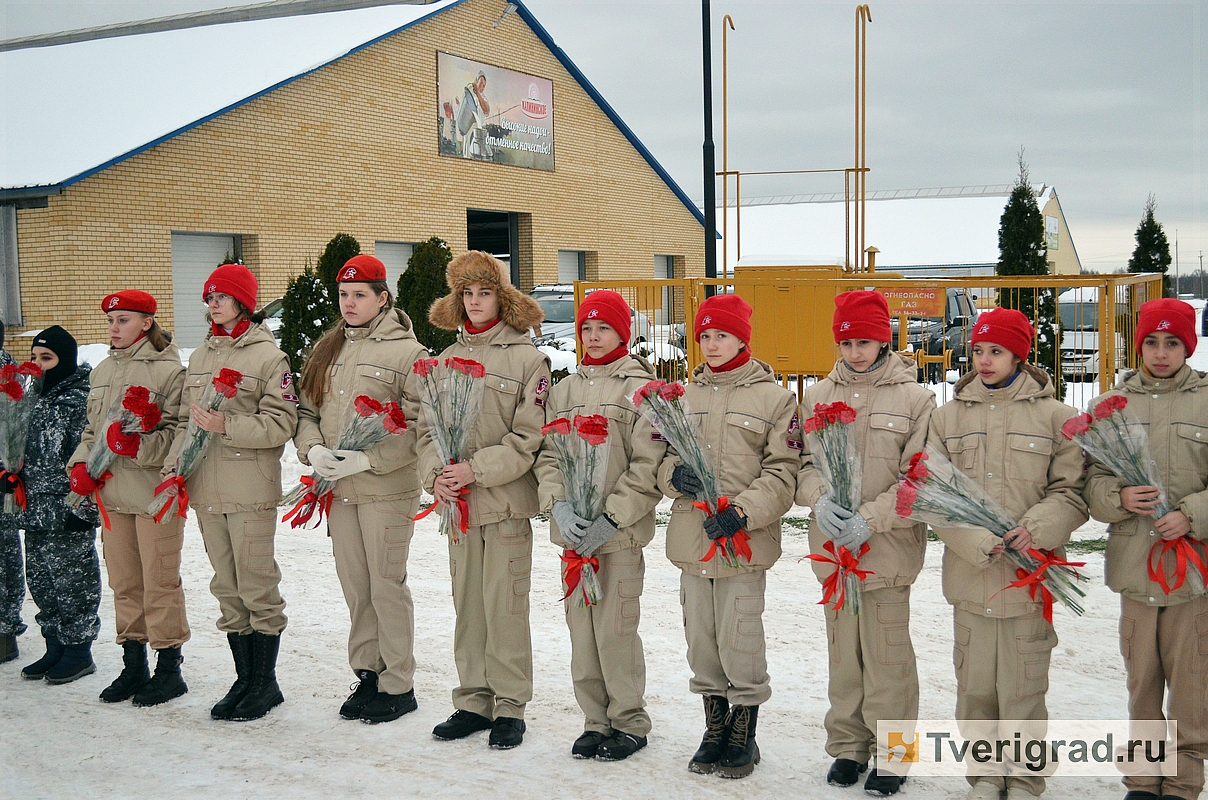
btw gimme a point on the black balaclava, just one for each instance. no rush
(61, 343)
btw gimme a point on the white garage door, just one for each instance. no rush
(395, 256)
(194, 257)
(570, 266)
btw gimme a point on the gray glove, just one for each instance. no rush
(570, 524)
(595, 535)
(855, 533)
(831, 517)
(685, 481)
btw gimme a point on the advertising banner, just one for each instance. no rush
(489, 113)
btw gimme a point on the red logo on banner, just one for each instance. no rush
(533, 107)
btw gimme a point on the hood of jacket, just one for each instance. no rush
(896, 369)
(143, 350)
(1186, 379)
(754, 371)
(256, 333)
(1033, 384)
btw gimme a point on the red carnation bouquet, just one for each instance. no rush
(663, 405)
(19, 389)
(832, 444)
(1116, 439)
(223, 387)
(370, 422)
(133, 413)
(936, 492)
(581, 449)
(450, 398)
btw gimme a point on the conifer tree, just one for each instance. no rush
(1152, 253)
(307, 310)
(420, 286)
(1022, 251)
(341, 248)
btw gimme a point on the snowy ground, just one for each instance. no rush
(60, 741)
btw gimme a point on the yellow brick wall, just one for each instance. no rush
(351, 148)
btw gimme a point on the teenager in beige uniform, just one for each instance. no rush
(369, 352)
(235, 488)
(873, 674)
(744, 418)
(141, 557)
(490, 566)
(1003, 430)
(608, 666)
(1163, 637)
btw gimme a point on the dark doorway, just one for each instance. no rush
(497, 233)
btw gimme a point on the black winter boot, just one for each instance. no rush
(742, 754)
(37, 670)
(264, 693)
(363, 691)
(75, 663)
(166, 683)
(713, 744)
(134, 674)
(8, 649)
(241, 654)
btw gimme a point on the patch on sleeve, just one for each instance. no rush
(655, 436)
(795, 444)
(795, 422)
(542, 388)
(287, 384)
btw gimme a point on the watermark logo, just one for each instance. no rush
(1083, 748)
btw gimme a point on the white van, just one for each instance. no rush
(1078, 310)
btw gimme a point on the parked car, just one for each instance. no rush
(272, 316)
(558, 303)
(1078, 309)
(933, 335)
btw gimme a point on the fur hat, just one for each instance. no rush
(1167, 315)
(515, 308)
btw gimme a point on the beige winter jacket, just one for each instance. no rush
(892, 415)
(507, 432)
(375, 361)
(1009, 441)
(744, 418)
(634, 455)
(133, 484)
(240, 469)
(1175, 414)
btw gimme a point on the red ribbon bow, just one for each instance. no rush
(463, 510)
(739, 541)
(572, 573)
(18, 486)
(1035, 580)
(1184, 551)
(845, 563)
(100, 504)
(181, 501)
(310, 503)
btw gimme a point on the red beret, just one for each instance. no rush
(235, 280)
(861, 315)
(1005, 327)
(608, 307)
(1167, 315)
(129, 300)
(725, 312)
(362, 269)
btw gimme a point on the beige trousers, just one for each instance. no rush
(723, 623)
(246, 576)
(1002, 672)
(1165, 650)
(873, 674)
(607, 664)
(142, 560)
(370, 542)
(490, 570)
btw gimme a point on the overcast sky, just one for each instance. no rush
(1108, 101)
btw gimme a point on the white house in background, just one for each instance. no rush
(936, 232)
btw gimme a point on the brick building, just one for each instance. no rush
(141, 161)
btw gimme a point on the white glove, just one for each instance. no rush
(831, 516)
(855, 533)
(322, 460)
(349, 462)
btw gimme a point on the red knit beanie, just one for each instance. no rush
(1006, 327)
(129, 300)
(235, 280)
(725, 312)
(1167, 316)
(608, 307)
(362, 269)
(861, 315)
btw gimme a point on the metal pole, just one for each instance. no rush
(710, 171)
(725, 149)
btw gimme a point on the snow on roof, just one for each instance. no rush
(948, 230)
(72, 109)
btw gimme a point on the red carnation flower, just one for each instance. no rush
(811, 425)
(366, 406)
(643, 394)
(466, 366)
(8, 372)
(30, 368)
(1077, 425)
(918, 468)
(559, 426)
(13, 390)
(423, 367)
(395, 420)
(593, 429)
(151, 418)
(906, 496)
(137, 393)
(226, 382)
(1109, 406)
(671, 391)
